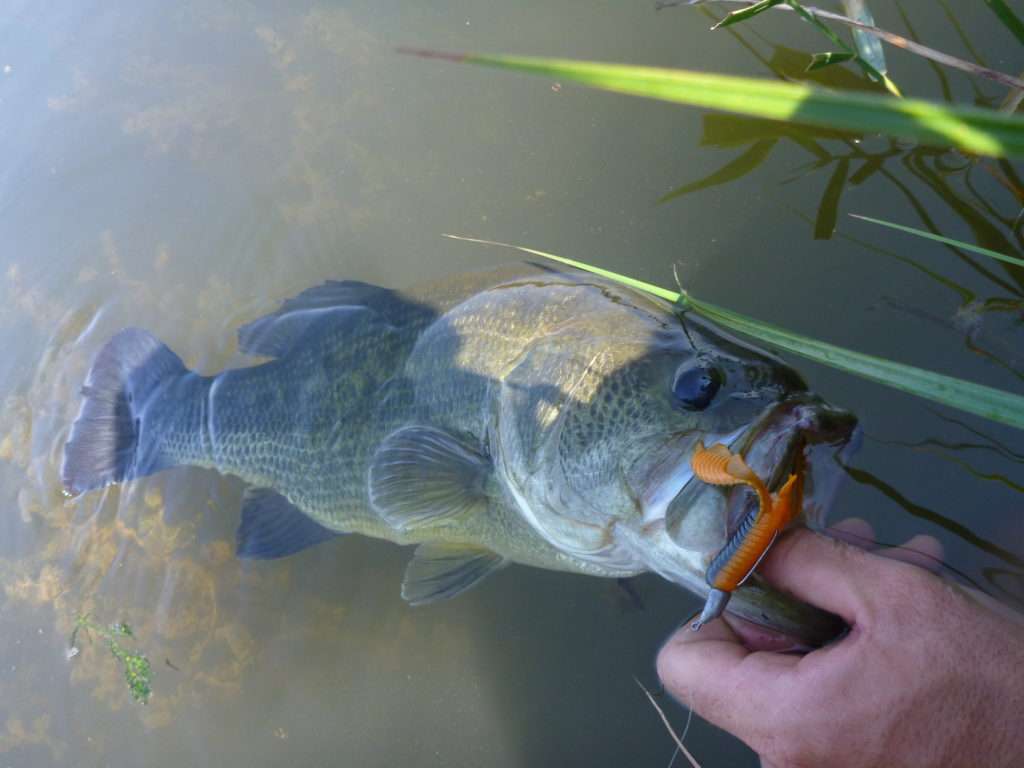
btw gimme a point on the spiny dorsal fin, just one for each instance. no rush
(273, 527)
(336, 301)
(440, 571)
(420, 475)
(275, 335)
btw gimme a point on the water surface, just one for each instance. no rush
(184, 167)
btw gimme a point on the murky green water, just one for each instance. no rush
(183, 167)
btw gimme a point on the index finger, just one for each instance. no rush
(826, 572)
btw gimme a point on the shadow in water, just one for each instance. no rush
(953, 527)
(948, 175)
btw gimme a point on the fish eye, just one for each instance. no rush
(695, 388)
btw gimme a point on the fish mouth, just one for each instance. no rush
(799, 434)
(802, 434)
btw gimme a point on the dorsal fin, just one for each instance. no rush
(336, 301)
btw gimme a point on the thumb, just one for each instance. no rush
(712, 673)
(827, 573)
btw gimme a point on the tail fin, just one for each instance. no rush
(104, 444)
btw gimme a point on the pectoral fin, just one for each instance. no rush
(420, 475)
(273, 527)
(439, 571)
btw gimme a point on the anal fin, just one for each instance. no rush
(273, 527)
(440, 571)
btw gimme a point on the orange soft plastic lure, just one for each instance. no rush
(739, 557)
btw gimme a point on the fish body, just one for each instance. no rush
(522, 415)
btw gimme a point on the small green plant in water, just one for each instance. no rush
(137, 671)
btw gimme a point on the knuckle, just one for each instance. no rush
(910, 596)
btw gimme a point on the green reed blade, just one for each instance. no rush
(972, 129)
(745, 13)
(640, 285)
(978, 399)
(1008, 17)
(868, 46)
(945, 240)
(988, 402)
(865, 65)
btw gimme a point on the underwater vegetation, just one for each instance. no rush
(138, 673)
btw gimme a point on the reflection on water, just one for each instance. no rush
(182, 169)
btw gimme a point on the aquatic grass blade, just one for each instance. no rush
(868, 46)
(987, 402)
(865, 65)
(945, 240)
(746, 13)
(967, 396)
(969, 128)
(1010, 20)
(899, 41)
(640, 285)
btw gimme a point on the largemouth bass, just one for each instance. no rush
(524, 415)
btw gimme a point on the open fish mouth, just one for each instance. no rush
(802, 434)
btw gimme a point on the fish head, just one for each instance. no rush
(762, 410)
(614, 447)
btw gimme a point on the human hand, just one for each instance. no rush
(928, 675)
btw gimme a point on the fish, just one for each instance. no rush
(525, 415)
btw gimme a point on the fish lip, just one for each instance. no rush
(802, 429)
